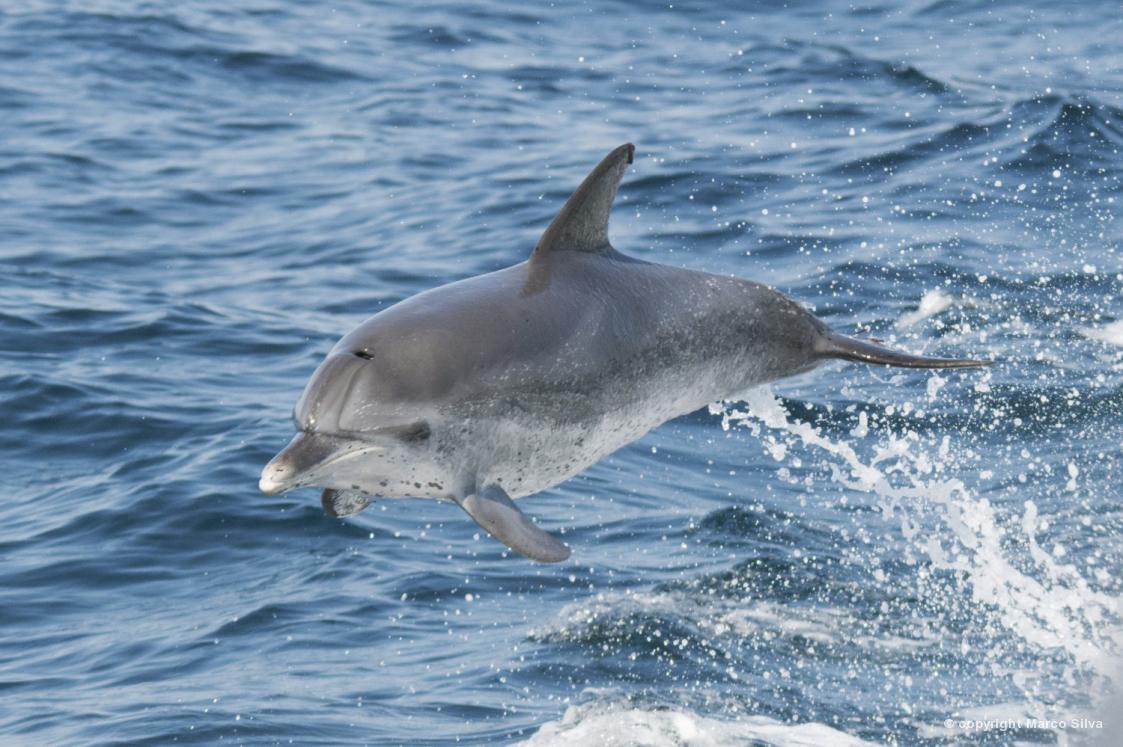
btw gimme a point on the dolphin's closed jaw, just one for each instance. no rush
(304, 460)
(302, 453)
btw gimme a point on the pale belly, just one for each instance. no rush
(526, 452)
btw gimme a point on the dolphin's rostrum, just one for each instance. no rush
(506, 384)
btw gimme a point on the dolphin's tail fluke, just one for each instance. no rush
(835, 345)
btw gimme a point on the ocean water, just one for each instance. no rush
(197, 199)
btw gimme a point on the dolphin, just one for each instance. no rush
(503, 385)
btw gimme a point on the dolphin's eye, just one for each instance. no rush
(362, 354)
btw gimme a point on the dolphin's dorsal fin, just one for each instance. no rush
(582, 224)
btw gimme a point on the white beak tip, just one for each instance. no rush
(268, 485)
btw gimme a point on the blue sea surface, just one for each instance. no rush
(198, 199)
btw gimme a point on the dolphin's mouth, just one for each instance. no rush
(306, 456)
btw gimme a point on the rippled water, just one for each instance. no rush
(197, 200)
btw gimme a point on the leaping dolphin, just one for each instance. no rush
(503, 385)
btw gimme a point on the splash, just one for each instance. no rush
(1044, 601)
(931, 303)
(1110, 333)
(607, 722)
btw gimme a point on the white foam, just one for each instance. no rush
(931, 303)
(1110, 333)
(717, 618)
(619, 725)
(824, 625)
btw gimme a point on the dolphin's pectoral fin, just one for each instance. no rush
(343, 502)
(494, 510)
(582, 223)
